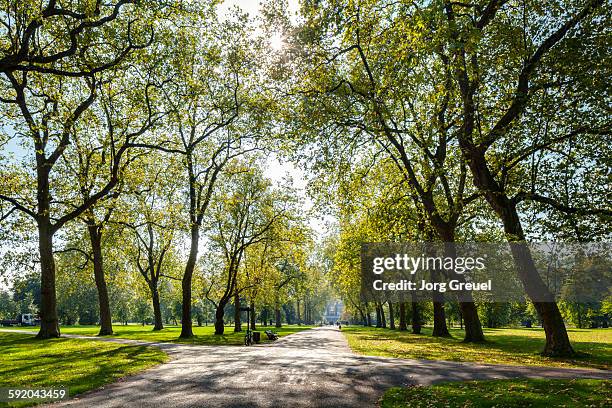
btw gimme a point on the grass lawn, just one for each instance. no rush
(503, 393)
(203, 334)
(503, 346)
(80, 365)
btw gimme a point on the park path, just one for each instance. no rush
(313, 368)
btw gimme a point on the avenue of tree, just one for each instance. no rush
(135, 137)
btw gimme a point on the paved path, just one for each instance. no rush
(313, 368)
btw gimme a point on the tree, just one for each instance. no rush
(212, 115)
(51, 76)
(532, 72)
(245, 211)
(8, 307)
(151, 221)
(468, 78)
(373, 100)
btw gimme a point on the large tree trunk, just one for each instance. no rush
(299, 318)
(157, 317)
(415, 318)
(557, 340)
(237, 317)
(440, 329)
(219, 324)
(95, 237)
(287, 309)
(364, 321)
(469, 313)
(49, 324)
(391, 317)
(383, 317)
(402, 313)
(473, 327)
(378, 316)
(186, 325)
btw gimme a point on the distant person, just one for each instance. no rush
(339, 326)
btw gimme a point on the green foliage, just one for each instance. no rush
(8, 308)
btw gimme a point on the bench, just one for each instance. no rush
(271, 335)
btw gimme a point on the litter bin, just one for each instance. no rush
(256, 336)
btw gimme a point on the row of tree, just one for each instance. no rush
(418, 121)
(136, 135)
(455, 122)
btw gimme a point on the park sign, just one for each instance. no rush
(485, 272)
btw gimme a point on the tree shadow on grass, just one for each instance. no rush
(77, 364)
(518, 348)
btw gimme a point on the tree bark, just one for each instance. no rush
(157, 317)
(287, 309)
(219, 324)
(471, 322)
(95, 237)
(363, 317)
(299, 318)
(415, 318)
(186, 324)
(49, 324)
(469, 313)
(440, 329)
(402, 313)
(391, 317)
(378, 316)
(557, 340)
(383, 317)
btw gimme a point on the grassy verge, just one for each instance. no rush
(202, 335)
(80, 365)
(503, 393)
(503, 346)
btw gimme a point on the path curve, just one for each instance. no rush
(312, 368)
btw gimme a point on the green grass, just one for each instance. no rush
(80, 365)
(503, 346)
(202, 335)
(503, 393)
